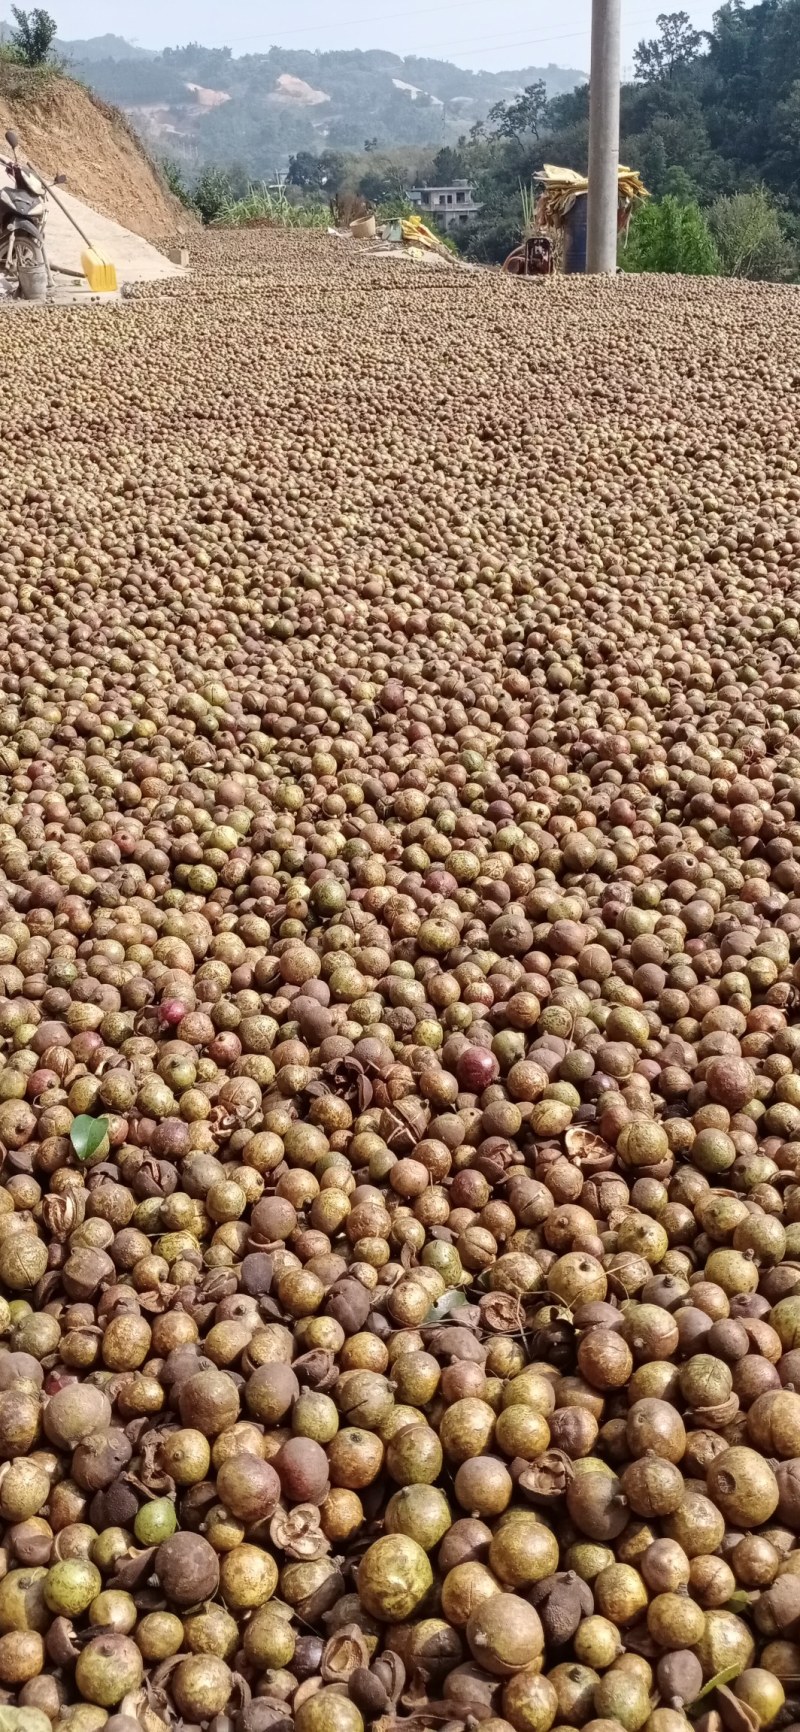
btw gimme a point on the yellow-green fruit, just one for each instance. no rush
(622, 1696)
(761, 1691)
(530, 1702)
(393, 1578)
(108, 1668)
(247, 1577)
(620, 1594)
(269, 1639)
(70, 1587)
(597, 1642)
(159, 1635)
(523, 1551)
(726, 1641)
(201, 1686)
(327, 1711)
(211, 1631)
(22, 1601)
(505, 1634)
(422, 1512)
(743, 1486)
(27, 1720)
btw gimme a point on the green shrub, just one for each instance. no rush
(395, 210)
(750, 239)
(173, 175)
(668, 236)
(273, 208)
(211, 193)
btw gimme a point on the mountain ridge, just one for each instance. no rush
(203, 105)
(107, 47)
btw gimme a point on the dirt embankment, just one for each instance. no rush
(65, 129)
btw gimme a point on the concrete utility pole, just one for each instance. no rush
(601, 240)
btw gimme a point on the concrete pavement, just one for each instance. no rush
(136, 260)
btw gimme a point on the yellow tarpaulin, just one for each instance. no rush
(416, 234)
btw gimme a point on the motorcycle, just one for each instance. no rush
(23, 214)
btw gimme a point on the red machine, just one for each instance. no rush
(534, 258)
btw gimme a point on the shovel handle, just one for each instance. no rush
(69, 217)
(62, 206)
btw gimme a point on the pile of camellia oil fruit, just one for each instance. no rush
(399, 939)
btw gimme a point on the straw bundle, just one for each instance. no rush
(562, 186)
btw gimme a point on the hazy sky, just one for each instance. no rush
(489, 33)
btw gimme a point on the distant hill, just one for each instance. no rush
(201, 105)
(106, 47)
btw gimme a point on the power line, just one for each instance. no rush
(354, 23)
(419, 53)
(529, 42)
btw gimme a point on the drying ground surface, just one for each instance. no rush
(399, 924)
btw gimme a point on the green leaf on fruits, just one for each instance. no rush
(449, 1302)
(723, 1677)
(86, 1135)
(739, 1601)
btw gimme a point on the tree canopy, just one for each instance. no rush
(676, 45)
(525, 114)
(32, 36)
(710, 119)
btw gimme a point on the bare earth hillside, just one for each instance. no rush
(65, 129)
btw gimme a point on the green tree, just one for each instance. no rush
(304, 170)
(173, 175)
(211, 192)
(670, 237)
(448, 165)
(317, 173)
(497, 230)
(32, 36)
(783, 153)
(676, 45)
(681, 186)
(750, 239)
(751, 96)
(384, 185)
(526, 114)
(653, 165)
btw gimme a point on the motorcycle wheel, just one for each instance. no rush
(31, 270)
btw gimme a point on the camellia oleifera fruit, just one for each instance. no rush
(399, 957)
